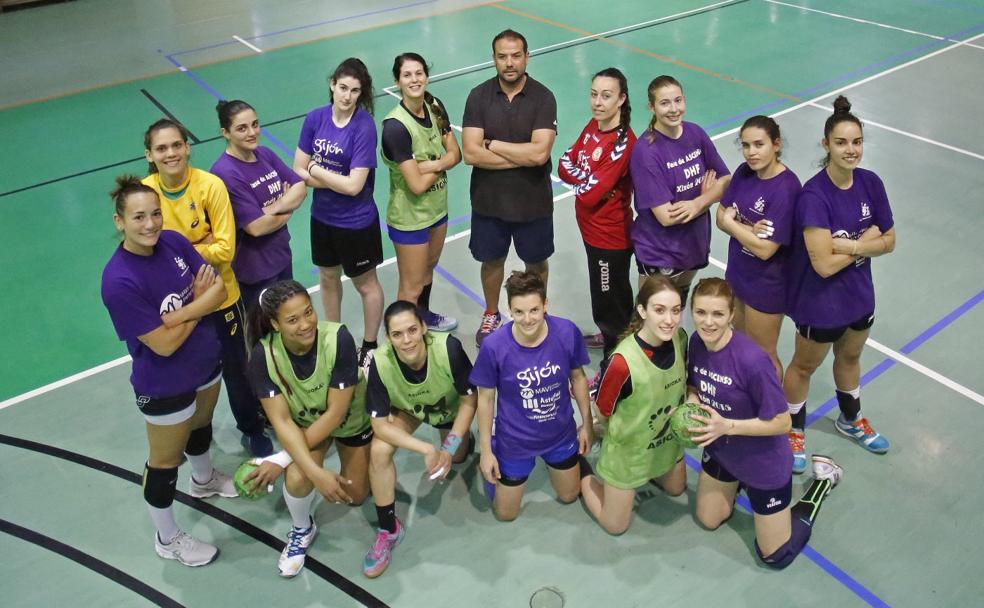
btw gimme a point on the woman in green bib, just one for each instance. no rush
(416, 377)
(307, 377)
(641, 384)
(419, 148)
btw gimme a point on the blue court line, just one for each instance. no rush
(304, 27)
(909, 347)
(815, 556)
(194, 78)
(450, 278)
(265, 132)
(812, 91)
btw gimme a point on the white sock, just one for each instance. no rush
(299, 508)
(201, 467)
(794, 408)
(163, 520)
(856, 392)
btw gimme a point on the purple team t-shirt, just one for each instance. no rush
(740, 382)
(849, 295)
(340, 150)
(136, 291)
(762, 283)
(666, 171)
(253, 186)
(534, 411)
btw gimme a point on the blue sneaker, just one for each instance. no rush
(860, 430)
(439, 322)
(797, 441)
(258, 444)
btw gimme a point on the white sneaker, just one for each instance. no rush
(291, 560)
(186, 549)
(220, 485)
(824, 467)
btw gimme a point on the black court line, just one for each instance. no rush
(379, 96)
(168, 113)
(84, 559)
(316, 567)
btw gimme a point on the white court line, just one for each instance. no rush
(47, 388)
(912, 135)
(95, 370)
(619, 30)
(875, 23)
(900, 358)
(922, 369)
(858, 83)
(247, 44)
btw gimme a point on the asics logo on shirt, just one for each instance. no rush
(180, 263)
(865, 211)
(759, 205)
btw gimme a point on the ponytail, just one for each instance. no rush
(625, 112)
(264, 312)
(658, 83)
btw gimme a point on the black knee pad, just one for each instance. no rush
(782, 557)
(565, 464)
(159, 486)
(199, 441)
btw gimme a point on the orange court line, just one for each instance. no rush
(664, 58)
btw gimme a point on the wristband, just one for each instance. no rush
(281, 459)
(451, 443)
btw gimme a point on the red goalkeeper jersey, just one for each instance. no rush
(599, 171)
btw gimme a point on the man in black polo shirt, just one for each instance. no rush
(509, 127)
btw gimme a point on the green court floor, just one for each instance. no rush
(902, 530)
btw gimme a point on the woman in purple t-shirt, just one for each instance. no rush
(157, 289)
(756, 211)
(677, 175)
(845, 220)
(264, 193)
(533, 364)
(744, 437)
(336, 155)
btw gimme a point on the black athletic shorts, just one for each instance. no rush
(356, 250)
(823, 335)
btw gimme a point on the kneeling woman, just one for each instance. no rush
(532, 364)
(641, 385)
(158, 289)
(306, 375)
(417, 376)
(744, 439)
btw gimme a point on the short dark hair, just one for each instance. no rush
(512, 34)
(523, 284)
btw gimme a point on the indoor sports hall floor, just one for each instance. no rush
(82, 80)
